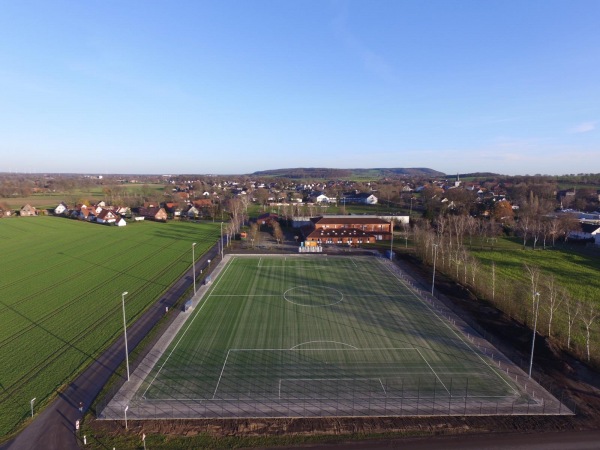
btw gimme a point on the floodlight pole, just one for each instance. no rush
(392, 242)
(194, 266)
(125, 412)
(31, 402)
(125, 335)
(536, 300)
(221, 240)
(435, 246)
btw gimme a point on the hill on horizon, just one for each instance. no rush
(315, 172)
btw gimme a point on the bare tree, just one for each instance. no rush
(405, 228)
(254, 234)
(554, 297)
(589, 318)
(554, 230)
(277, 232)
(533, 275)
(524, 226)
(573, 310)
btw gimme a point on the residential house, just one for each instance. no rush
(107, 216)
(60, 209)
(364, 198)
(122, 210)
(153, 213)
(588, 232)
(267, 219)
(28, 210)
(203, 203)
(323, 199)
(192, 212)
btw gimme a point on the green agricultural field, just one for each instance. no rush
(302, 335)
(91, 194)
(60, 304)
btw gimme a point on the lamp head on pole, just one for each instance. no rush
(193, 244)
(124, 293)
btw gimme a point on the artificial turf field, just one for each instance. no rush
(275, 333)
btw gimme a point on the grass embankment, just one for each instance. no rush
(574, 269)
(61, 290)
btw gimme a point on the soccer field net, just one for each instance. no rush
(341, 383)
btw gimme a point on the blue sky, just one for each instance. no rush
(231, 87)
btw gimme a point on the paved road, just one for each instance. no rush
(54, 428)
(563, 440)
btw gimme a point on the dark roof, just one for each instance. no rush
(589, 227)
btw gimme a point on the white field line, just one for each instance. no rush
(445, 323)
(317, 349)
(295, 266)
(222, 370)
(382, 387)
(314, 342)
(196, 313)
(330, 379)
(245, 295)
(431, 368)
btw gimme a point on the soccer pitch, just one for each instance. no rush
(321, 335)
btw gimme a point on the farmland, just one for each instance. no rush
(61, 283)
(90, 194)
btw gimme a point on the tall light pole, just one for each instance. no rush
(31, 403)
(392, 243)
(435, 247)
(125, 334)
(221, 240)
(125, 412)
(194, 266)
(536, 307)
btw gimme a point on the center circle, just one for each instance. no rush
(313, 296)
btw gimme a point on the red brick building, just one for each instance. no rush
(351, 230)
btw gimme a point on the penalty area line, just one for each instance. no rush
(222, 370)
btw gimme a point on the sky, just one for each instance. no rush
(233, 87)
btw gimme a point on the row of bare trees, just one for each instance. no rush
(537, 298)
(544, 229)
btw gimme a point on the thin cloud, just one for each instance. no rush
(372, 61)
(584, 127)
